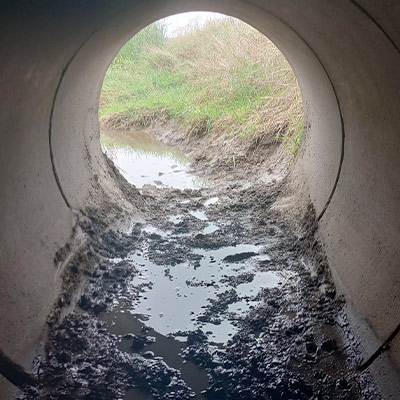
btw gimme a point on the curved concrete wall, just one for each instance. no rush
(54, 57)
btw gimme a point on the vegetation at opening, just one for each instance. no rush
(222, 78)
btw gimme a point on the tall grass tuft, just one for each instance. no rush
(223, 78)
(133, 51)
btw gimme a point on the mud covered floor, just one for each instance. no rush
(211, 296)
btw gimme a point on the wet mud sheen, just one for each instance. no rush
(212, 295)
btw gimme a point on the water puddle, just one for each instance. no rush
(176, 219)
(152, 230)
(201, 215)
(168, 303)
(132, 334)
(210, 228)
(207, 294)
(142, 159)
(211, 201)
(223, 280)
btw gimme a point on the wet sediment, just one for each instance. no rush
(212, 296)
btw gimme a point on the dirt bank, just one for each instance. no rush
(217, 154)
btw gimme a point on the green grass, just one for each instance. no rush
(224, 78)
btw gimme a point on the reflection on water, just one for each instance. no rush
(190, 288)
(143, 159)
(174, 301)
(209, 295)
(211, 201)
(210, 228)
(124, 324)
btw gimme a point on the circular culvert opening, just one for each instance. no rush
(211, 264)
(337, 72)
(208, 83)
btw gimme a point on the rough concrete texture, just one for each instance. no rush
(55, 54)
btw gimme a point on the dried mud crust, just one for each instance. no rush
(295, 344)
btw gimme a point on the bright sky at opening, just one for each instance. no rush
(175, 24)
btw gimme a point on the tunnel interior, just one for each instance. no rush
(345, 57)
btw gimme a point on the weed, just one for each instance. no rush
(222, 78)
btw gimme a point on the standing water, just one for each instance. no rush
(199, 298)
(211, 295)
(144, 160)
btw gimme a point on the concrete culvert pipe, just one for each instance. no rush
(346, 56)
